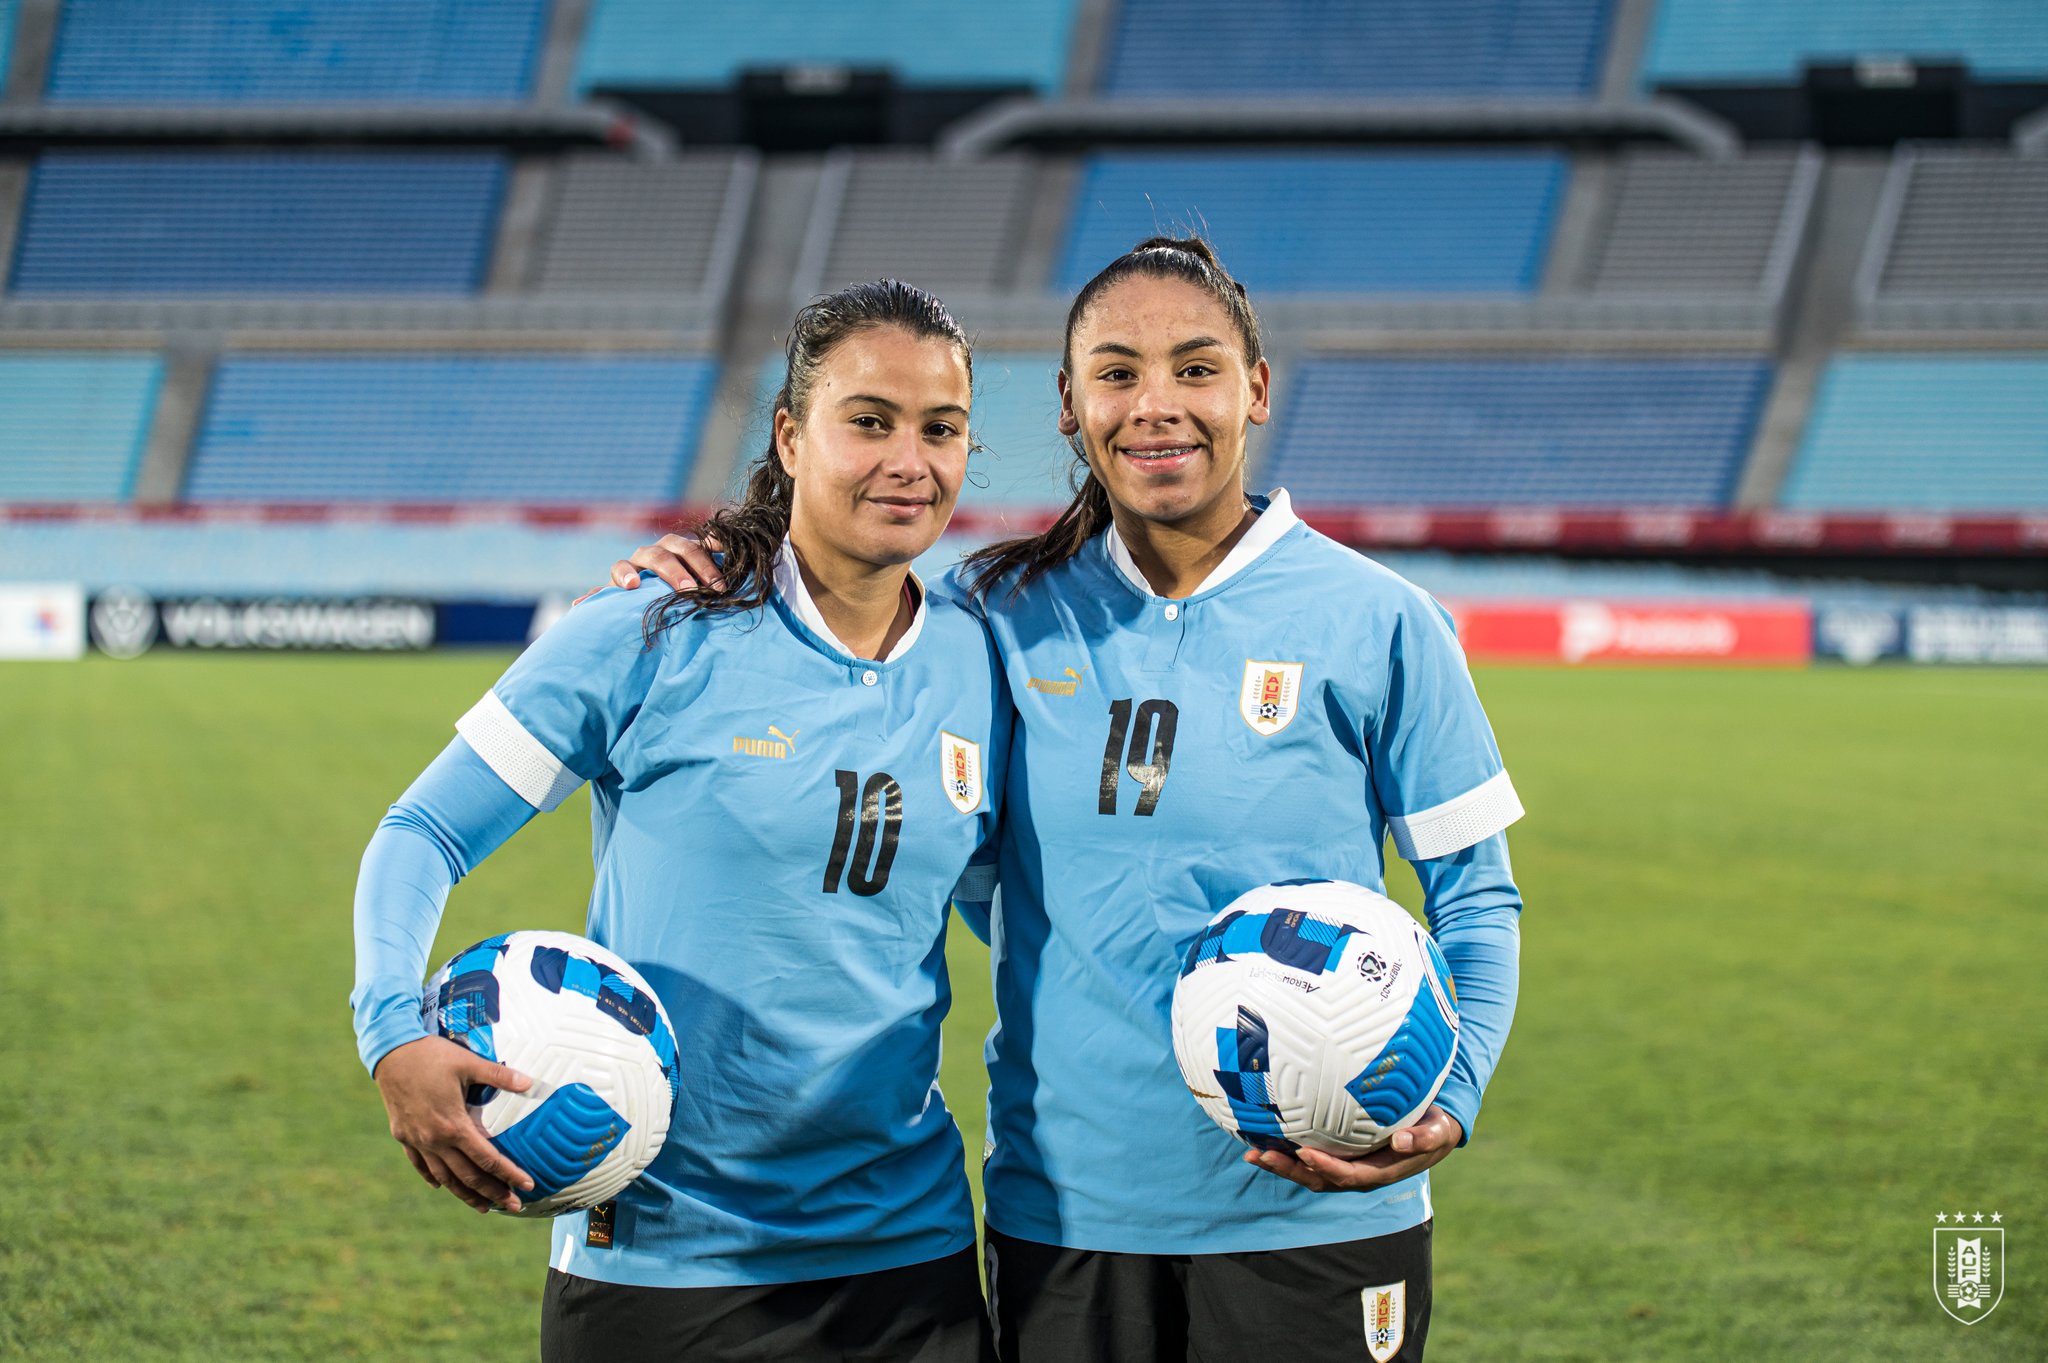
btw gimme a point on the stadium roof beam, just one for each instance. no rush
(515, 127)
(1079, 124)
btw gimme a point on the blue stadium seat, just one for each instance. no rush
(1926, 433)
(1025, 460)
(295, 51)
(450, 428)
(491, 560)
(928, 42)
(1702, 41)
(1372, 49)
(1493, 432)
(258, 223)
(1353, 222)
(73, 425)
(7, 11)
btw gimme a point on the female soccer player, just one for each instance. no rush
(1121, 1224)
(790, 776)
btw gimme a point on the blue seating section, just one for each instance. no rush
(927, 42)
(1926, 433)
(497, 560)
(258, 223)
(450, 428)
(1490, 432)
(1353, 222)
(1025, 460)
(1366, 49)
(73, 425)
(1769, 40)
(7, 11)
(295, 51)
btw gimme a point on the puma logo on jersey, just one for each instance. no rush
(780, 746)
(1057, 688)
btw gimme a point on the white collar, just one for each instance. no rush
(789, 583)
(1276, 520)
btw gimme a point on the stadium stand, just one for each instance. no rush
(292, 51)
(1023, 462)
(450, 428)
(73, 425)
(1960, 242)
(647, 42)
(7, 12)
(1355, 222)
(1397, 49)
(626, 227)
(254, 222)
(1926, 433)
(1686, 225)
(962, 233)
(1601, 432)
(1759, 40)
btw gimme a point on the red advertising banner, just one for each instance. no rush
(1768, 634)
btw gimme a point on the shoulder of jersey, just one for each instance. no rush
(948, 591)
(614, 613)
(1342, 570)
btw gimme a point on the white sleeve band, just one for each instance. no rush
(1458, 822)
(977, 885)
(522, 761)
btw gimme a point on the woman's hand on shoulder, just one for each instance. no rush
(1412, 1150)
(682, 561)
(423, 1084)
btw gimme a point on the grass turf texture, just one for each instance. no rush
(1781, 1004)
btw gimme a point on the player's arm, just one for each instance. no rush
(1437, 775)
(457, 813)
(547, 726)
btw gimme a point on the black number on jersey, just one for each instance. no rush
(878, 809)
(1148, 757)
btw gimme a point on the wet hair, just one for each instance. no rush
(1187, 259)
(750, 532)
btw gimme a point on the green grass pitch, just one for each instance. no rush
(1782, 1002)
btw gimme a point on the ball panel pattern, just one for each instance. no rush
(563, 1139)
(1314, 1013)
(593, 1037)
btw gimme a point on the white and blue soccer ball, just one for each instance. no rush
(590, 1033)
(1314, 1012)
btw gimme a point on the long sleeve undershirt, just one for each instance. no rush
(457, 813)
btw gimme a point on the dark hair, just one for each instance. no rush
(750, 532)
(1188, 259)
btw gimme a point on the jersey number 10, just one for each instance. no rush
(878, 809)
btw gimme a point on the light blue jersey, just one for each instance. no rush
(778, 828)
(1279, 723)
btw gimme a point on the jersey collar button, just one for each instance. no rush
(1172, 612)
(868, 678)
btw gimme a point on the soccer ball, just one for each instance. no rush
(594, 1039)
(1314, 1012)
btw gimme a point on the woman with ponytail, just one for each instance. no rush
(793, 771)
(1257, 704)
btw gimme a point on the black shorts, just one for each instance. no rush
(1364, 1299)
(923, 1313)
